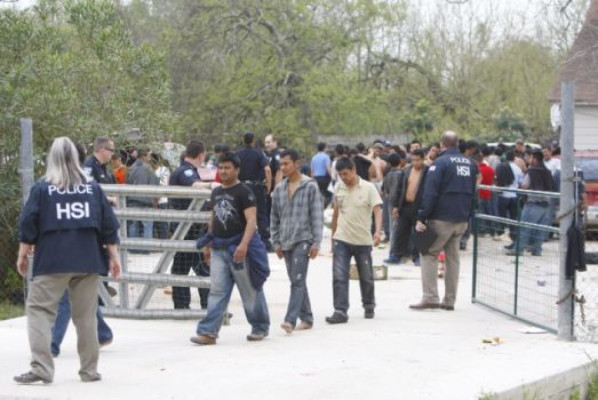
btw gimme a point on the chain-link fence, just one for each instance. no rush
(586, 283)
(517, 258)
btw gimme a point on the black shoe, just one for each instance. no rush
(369, 314)
(510, 246)
(462, 246)
(29, 378)
(447, 308)
(337, 318)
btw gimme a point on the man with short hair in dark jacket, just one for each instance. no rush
(536, 209)
(447, 206)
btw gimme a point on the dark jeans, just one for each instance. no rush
(62, 323)
(486, 206)
(297, 261)
(182, 265)
(404, 231)
(507, 208)
(263, 224)
(162, 228)
(387, 218)
(323, 183)
(341, 264)
(536, 214)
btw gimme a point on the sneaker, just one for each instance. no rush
(392, 260)
(304, 326)
(510, 246)
(463, 246)
(91, 378)
(106, 343)
(256, 337)
(337, 318)
(447, 307)
(369, 314)
(29, 378)
(203, 340)
(513, 252)
(287, 327)
(497, 238)
(417, 262)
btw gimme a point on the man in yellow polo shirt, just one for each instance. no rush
(354, 201)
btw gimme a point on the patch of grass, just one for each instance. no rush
(593, 388)
(8, 310)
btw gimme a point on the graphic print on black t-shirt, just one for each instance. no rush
(229, 206)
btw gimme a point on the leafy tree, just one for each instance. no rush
(72, 68)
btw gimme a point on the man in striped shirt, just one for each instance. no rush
(296, 224)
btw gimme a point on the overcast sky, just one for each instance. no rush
(528, 13)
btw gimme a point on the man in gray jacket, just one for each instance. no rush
(296, 225)
(141, 173)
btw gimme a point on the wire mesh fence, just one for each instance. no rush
(586, 285)
(517, 258)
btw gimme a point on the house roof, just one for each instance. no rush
(581, 65)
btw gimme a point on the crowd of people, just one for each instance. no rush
(419, 200)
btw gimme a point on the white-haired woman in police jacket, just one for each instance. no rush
(75, 233)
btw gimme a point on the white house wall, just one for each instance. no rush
(586, 127)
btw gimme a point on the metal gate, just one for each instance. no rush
(138, 285)
(515, 281)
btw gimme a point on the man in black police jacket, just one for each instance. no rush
(95, 166)
(255, 172)
(447, 206)
(186, 175)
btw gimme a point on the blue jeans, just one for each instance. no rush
(386, 217)
(507, 208)
(135, 228)
(341, 264)
(536, 214)
(62, 322)
(486, 207)
(224, 274)
(297, 261)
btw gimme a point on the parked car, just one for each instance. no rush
(587, 162)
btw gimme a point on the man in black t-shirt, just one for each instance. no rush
(233, 226)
